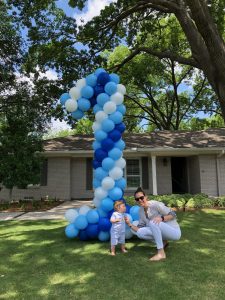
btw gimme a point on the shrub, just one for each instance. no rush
(200, 201)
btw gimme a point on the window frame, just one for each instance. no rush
(140, 173)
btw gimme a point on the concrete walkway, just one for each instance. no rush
(56, 213)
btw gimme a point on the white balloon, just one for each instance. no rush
(84, 209)
(108, 183)
(117, 98)
(81, 83)
(75, 93)
(71, 215)
(109, 107)
(100, 116)
(71, 105)
(121, 88)
(100, 193)
(96, 202)
(128, 234)
(116, 173)
(96, 126)
(121, 163)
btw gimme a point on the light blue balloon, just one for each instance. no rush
(81, 222)
(115, 153)
(96, 183)
(83, 104)
(121, 108)
(120, 145)
(108, 163)
(116, 117)
(99, 70)
(110, 88)
(91, 80)
(107, 204)
(100, 135)
(92, 216)
(103, 236)
(102, 99)
(128, 233)
(107, 125)
(77, 114)
(121, 183)
(71, 231)
(115, 78)
(87, 92)
(96, 108)
(102, 213)
(100, 173)
(115, 193)
(64, 97)
(96, 145)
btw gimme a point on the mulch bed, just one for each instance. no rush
(29, 206)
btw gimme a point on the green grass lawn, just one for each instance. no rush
(37, 261)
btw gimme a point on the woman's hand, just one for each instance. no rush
(157, 220)
(127, 220)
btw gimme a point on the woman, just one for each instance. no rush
(156, 223)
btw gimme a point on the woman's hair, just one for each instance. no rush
(117, 204)
(139, 190)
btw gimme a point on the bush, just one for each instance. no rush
(200, 201)
(220, 201)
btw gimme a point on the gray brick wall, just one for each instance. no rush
(208, 174)
(193, 175)
(164, 181)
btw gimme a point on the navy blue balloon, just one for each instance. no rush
(110, 213)
(107, 144)
(115, 135)
(96, 164)
(92, 231)
(127, 208)
(121, 127)
(103, 78)
(93, 101)
(83, 235)
(100, 154)
(99, 89)
(104, 224)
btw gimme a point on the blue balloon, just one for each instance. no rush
(116, 117)
(93, 101)
(96, 108)
(100, 135)
(101, 212)
(81, 222)
(103, 78)
(121, 183)
(92, 231)
(92, 216)
(99, 70)
(96, 164)
(96, 145)
(83, 104)
(121, 127)
(110, 213)
(107, 144)
(120, 145)
(115, 78)
(121, 108)
(77, 114)
(100, 173)
(103, 236)
(107, 125)
(115, 193)
(102, 99)
(115, 153)
(100, 154)
(128, 208)
(71, 231)
(91, 80)
(87, 92)
(98, 90)
(107, 204)
(115, 135)
(83, 235)
(104, 224)
(64, 97)
(108, 163)
(110, 88)
(134, 212)
(96, 183)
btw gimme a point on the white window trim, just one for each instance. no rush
(140, 168)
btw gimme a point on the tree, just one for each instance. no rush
(201, 21)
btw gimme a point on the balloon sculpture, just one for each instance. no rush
(104, 93)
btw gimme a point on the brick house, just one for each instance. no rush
(162, 162)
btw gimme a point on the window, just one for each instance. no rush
(133, 173)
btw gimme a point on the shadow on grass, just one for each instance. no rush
(37, 261)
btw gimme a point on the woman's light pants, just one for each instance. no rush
(159, 232)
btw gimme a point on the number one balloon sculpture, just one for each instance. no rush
(104, 93)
